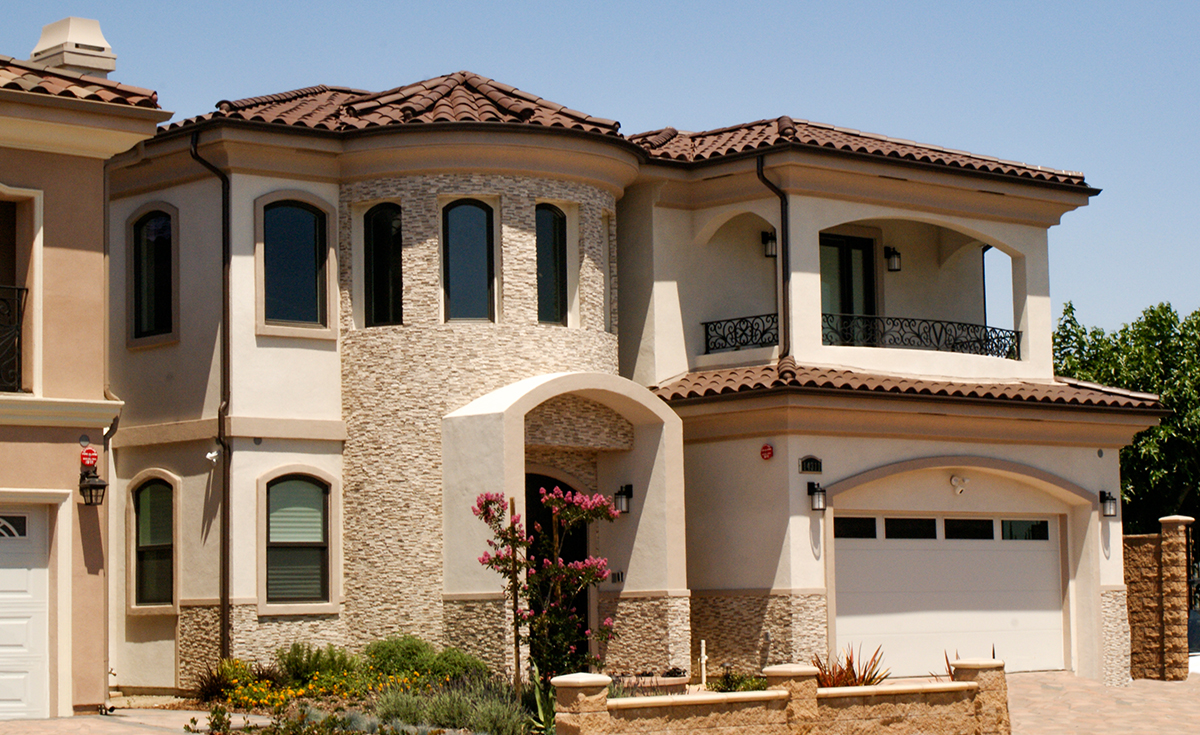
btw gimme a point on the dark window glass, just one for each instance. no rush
(154, 575)
(910, 527)
(551, 264)
(297, 540)
(970, 528)
(853, 527)
(152, 275)
(847, 275)
(384, 281)
(467, 260)
(13, 526)
(1025, 530)
(294, 263)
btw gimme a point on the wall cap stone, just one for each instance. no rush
(790, 670)
(977, 663)
(884, 690)
(1176, 519)
(684, 700)
(581, 680)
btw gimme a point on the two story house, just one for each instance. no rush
(337, 316)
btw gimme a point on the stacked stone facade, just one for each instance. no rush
(1114, 614)
(199, 641)
(752, 629)
(653, 633)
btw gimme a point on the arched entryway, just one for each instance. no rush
(574, 546)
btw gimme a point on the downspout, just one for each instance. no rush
(785, 264)
(223, 409)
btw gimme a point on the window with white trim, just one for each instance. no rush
(297, 540)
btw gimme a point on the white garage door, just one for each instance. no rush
(24, 637)
(925, 587)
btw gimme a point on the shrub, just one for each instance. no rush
(216, 681)
(497, 716)
(848, 671)
(400, 655)
(449, 708)
(453, 664)
(395, 705)
(302, 661)
(732, 681)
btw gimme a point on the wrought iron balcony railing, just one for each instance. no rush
(920, 334)
(12, 310)
(742, 333)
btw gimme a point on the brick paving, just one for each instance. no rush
(1059, 703)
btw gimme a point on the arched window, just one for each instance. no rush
(384, 279)
(154, 544)
(294, 251)
(551, 264)
(468, 270)
(152, 287)
(297, 540)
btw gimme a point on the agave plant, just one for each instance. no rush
(849, 670)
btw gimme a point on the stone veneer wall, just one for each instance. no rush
(482, 628)
(1157, 588)
(257, 638)
(1114, 615)
(571, 421)
(749, 630)
(198, 638)
(653, 634)
(399, 382)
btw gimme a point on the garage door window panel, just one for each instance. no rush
(978, 529)
(1025, 530)
(910, 528)
(853, 527)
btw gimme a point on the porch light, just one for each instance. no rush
(816, 496)
(770, 249)
(892, 255)
(91, 487)
(622, 498)
(1108, 504)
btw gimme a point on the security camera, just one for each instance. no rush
(958, 483)
(212, 456)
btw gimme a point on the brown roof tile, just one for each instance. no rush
(787, 375)
(710, 144)
(30, 76)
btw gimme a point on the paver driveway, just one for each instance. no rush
(1058, 703)
(121, 722)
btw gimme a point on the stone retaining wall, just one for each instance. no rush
(1156, 599)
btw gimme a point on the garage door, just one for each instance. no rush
(24, 638)
(925, 587)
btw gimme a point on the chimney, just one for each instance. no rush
(75, 44)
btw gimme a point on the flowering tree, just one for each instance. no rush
(540, 584)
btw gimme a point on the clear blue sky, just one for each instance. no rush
(1107, 88)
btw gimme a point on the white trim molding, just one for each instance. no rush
(19, 409)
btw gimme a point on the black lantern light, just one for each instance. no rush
(622, 498)
(91, 487)
(892, 256)
(770, 244)
(816, 496)
(1108, 504)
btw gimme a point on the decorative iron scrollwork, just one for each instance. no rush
(742, 333)
(12, 310)
(920, 334)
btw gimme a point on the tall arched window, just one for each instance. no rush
(294, 251)
(152, 275)
(468, 270)
(551, 264)
(154, 544)
(297, 540)
(384, 278)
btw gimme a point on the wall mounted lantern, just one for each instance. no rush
(622, 498)
(91, 487)
(1108, 504)
(816, 496)
(892, 255)
(770, 247)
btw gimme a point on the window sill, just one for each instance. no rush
(272, 609)
(151, 610)
(302, 331)
(157, 340)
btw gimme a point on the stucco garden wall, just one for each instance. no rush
(1156, 581)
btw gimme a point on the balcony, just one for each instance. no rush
(12, 311)
(742, 333)
(919, 334)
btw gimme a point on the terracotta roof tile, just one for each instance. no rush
(30, 76)
(787, 375)
(710, 144)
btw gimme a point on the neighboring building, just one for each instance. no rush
(455, 287)
(57, 127)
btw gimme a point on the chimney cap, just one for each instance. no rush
(75, 44)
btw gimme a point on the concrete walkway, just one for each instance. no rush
(121, 722)
(1058, 703)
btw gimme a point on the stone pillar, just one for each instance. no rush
(991, 703)
(1174, 597)
(581, 704)
(801, 683)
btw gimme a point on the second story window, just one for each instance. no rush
(384, 281)
(294, 255)
(152, 275)
(847, 275)
(551, 264)
(154, 576)
(468, 260)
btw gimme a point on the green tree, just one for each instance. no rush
(1157, 353)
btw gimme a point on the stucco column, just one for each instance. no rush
(801, 683)
(581, 704)
(992, 699)
(1174, 597)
